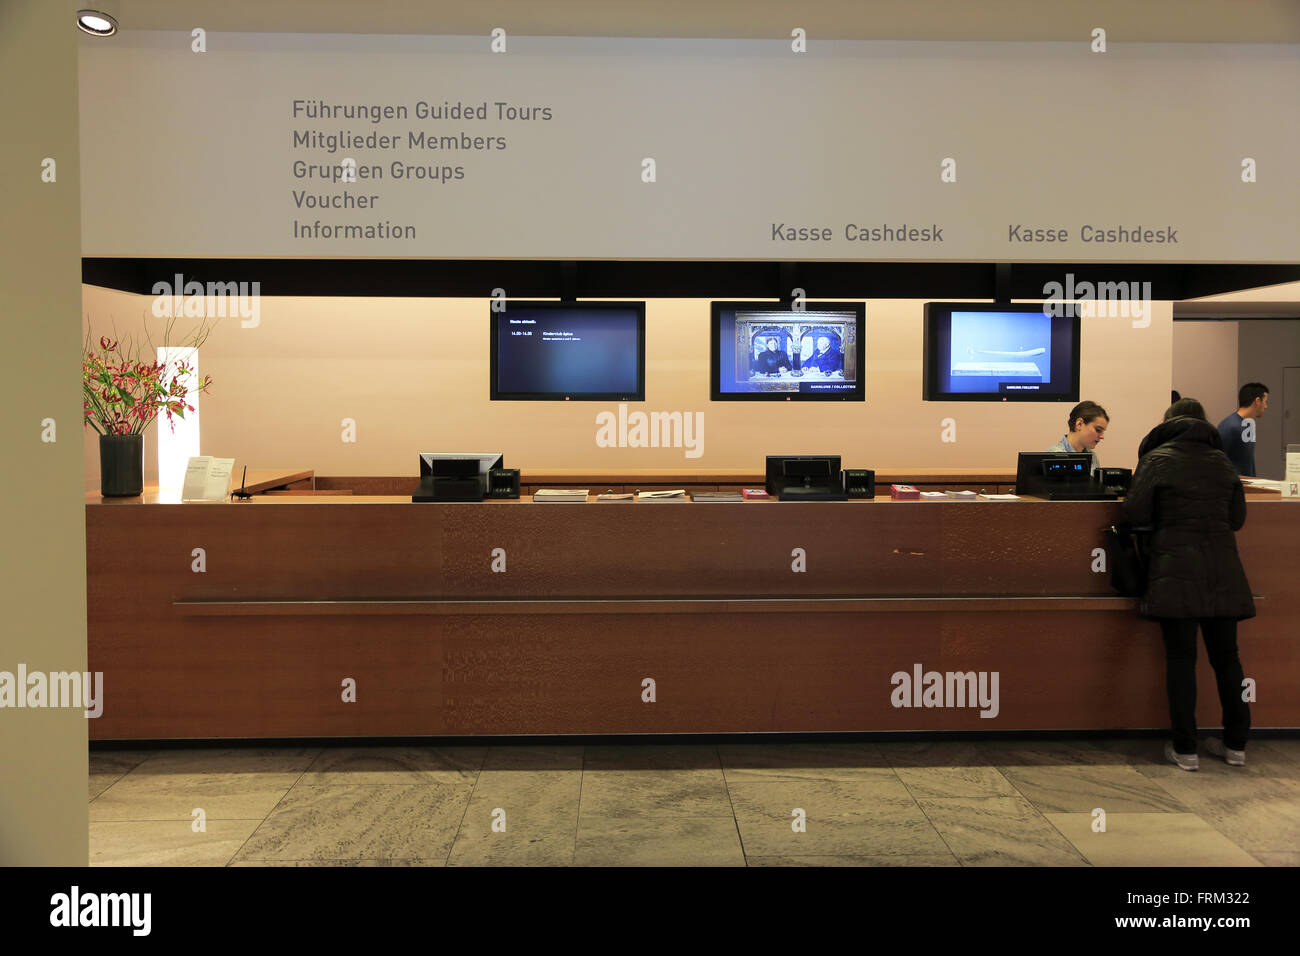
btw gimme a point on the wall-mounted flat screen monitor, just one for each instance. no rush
(568, 351)
(762, 351)
(980, 352)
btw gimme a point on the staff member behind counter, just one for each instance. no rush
(1088, 423)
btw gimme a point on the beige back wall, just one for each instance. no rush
(1205, 365)
(413, 374)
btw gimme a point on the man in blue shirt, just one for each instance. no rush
(1239, 437)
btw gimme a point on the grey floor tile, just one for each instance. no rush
(1263, 758)
(116, 762)
(1150, 839)
(655, 793)
(365, 822)
(1256, 813)
(944, 858)
(651, 757)
(246, 863)
(837, 818)
(167, 843)
(999, 831)
(811, 774)
(603, 841)
(534, 758)
(942, 754)
(99, 782)
(175, 796)
(1043, 753)
(520, 818)
(1147, 757)
(228, 760)
(940, 782)
(350, 766)
(1285, 748)
(1083, 788)
(810, 757)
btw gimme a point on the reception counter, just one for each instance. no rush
(362, 615)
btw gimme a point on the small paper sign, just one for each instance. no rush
(207, 478)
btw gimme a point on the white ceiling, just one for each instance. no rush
(1182, 21)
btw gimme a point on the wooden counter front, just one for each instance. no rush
(524, 618)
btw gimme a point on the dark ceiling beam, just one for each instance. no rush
(539, 278)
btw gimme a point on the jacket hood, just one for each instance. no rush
(1184, 429)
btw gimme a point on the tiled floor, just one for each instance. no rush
(988, 803)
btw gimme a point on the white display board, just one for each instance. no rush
(688, 149)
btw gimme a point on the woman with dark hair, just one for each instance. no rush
(1188, 492)
(1186, 408)
(1088, 422)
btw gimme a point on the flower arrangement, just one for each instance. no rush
(124, 389)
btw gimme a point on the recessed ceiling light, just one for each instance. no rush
(96, 23)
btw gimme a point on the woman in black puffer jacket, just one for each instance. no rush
(1188, 492)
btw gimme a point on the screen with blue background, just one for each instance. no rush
(567, 351)
(989, 349)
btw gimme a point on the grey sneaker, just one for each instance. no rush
(1233, 758)
(1184, 761)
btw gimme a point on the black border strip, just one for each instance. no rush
(718, 279)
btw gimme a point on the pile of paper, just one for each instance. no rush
(560, 494)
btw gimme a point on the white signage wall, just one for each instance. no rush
(683, 149)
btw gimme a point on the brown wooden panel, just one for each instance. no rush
(548, 675)
(440, 644)
(669, 478)
(963, 605)
(1044, 547)
(331, 492)
(402, 485)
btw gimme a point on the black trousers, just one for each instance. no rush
(1180, 679)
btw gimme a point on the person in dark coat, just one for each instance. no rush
(773, 361)
(1188, 492)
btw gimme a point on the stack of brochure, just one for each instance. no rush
(560, 494)
(662, 495)
(961, 495)
(716, 496)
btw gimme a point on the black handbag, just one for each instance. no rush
(1126, 548)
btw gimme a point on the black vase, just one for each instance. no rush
(121, 466)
